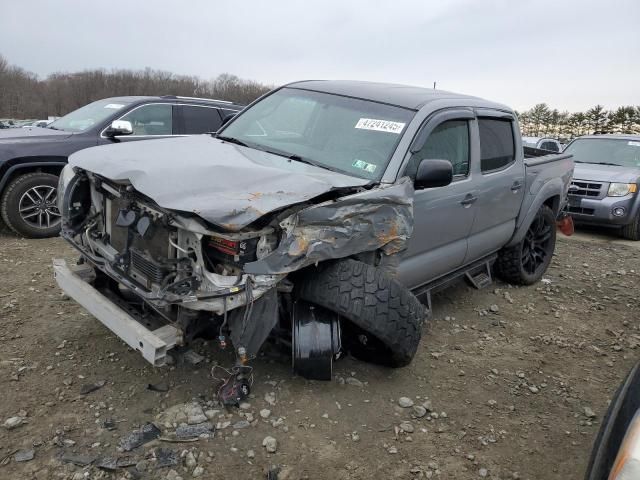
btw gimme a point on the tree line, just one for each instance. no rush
(542, 121)
(24, 95)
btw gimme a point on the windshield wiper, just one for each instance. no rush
(232, 140)
(295, 157)
(52, 128)
(298, 158)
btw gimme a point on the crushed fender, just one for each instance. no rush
(366, 221)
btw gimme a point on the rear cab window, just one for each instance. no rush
(497, 144)
(551, 146)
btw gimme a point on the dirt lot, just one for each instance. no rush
(515, 382)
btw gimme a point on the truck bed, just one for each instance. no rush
(548, 172)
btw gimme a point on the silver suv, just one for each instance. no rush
(604, 189)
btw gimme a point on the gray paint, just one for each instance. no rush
(433, 233)
(227, 185)
(422, 235)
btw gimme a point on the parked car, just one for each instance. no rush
(616, 449)
(604, 190)
(324, 208)
(543, 143)
(31, 158)
(37, 123)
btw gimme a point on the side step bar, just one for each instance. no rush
(152, 344)
(477, 273)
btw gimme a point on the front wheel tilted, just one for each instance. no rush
(526, 262)
(381, 319)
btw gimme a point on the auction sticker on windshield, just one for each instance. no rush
(380, 125)
(114, 105)
(634, 144)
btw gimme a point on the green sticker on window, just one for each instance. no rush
(362, 165)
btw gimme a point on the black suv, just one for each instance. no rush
(31, 158)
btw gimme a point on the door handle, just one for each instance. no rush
(516, 186)
(468, 200)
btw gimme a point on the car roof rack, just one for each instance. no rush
(196, 98)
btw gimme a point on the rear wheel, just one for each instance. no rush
(526, 262)
(383, 319)
(29, 205)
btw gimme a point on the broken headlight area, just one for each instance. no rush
(237, 250)
(145, 249)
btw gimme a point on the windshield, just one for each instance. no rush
(89, 115)
(623, 152)
(347, 135)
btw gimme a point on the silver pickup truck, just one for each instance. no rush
(319, 214)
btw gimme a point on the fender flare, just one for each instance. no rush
(551, 189)
(40, 163)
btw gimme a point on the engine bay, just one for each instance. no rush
(149, 251)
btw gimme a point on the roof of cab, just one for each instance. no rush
(390, 93)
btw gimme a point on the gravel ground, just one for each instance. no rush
(507, 383)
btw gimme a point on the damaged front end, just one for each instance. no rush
(173, 268)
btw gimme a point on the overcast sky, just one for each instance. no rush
(571, 54)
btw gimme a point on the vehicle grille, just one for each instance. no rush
(585, 189)
(153, 271)
(580, 210)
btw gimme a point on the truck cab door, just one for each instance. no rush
(500, 175)
(443, 216)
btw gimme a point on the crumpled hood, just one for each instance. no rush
(225, 184)
(31, 134)
(606, 173)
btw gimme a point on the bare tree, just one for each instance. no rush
(23, 95)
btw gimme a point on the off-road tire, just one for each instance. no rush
(632, 231)
(510, 266)
(10, 201)
(373, 303)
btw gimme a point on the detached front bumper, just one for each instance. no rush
(153, 344)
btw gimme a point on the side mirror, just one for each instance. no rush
(119, 127)
(434, 173)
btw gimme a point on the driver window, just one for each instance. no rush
(448, 141)
(152, 119)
